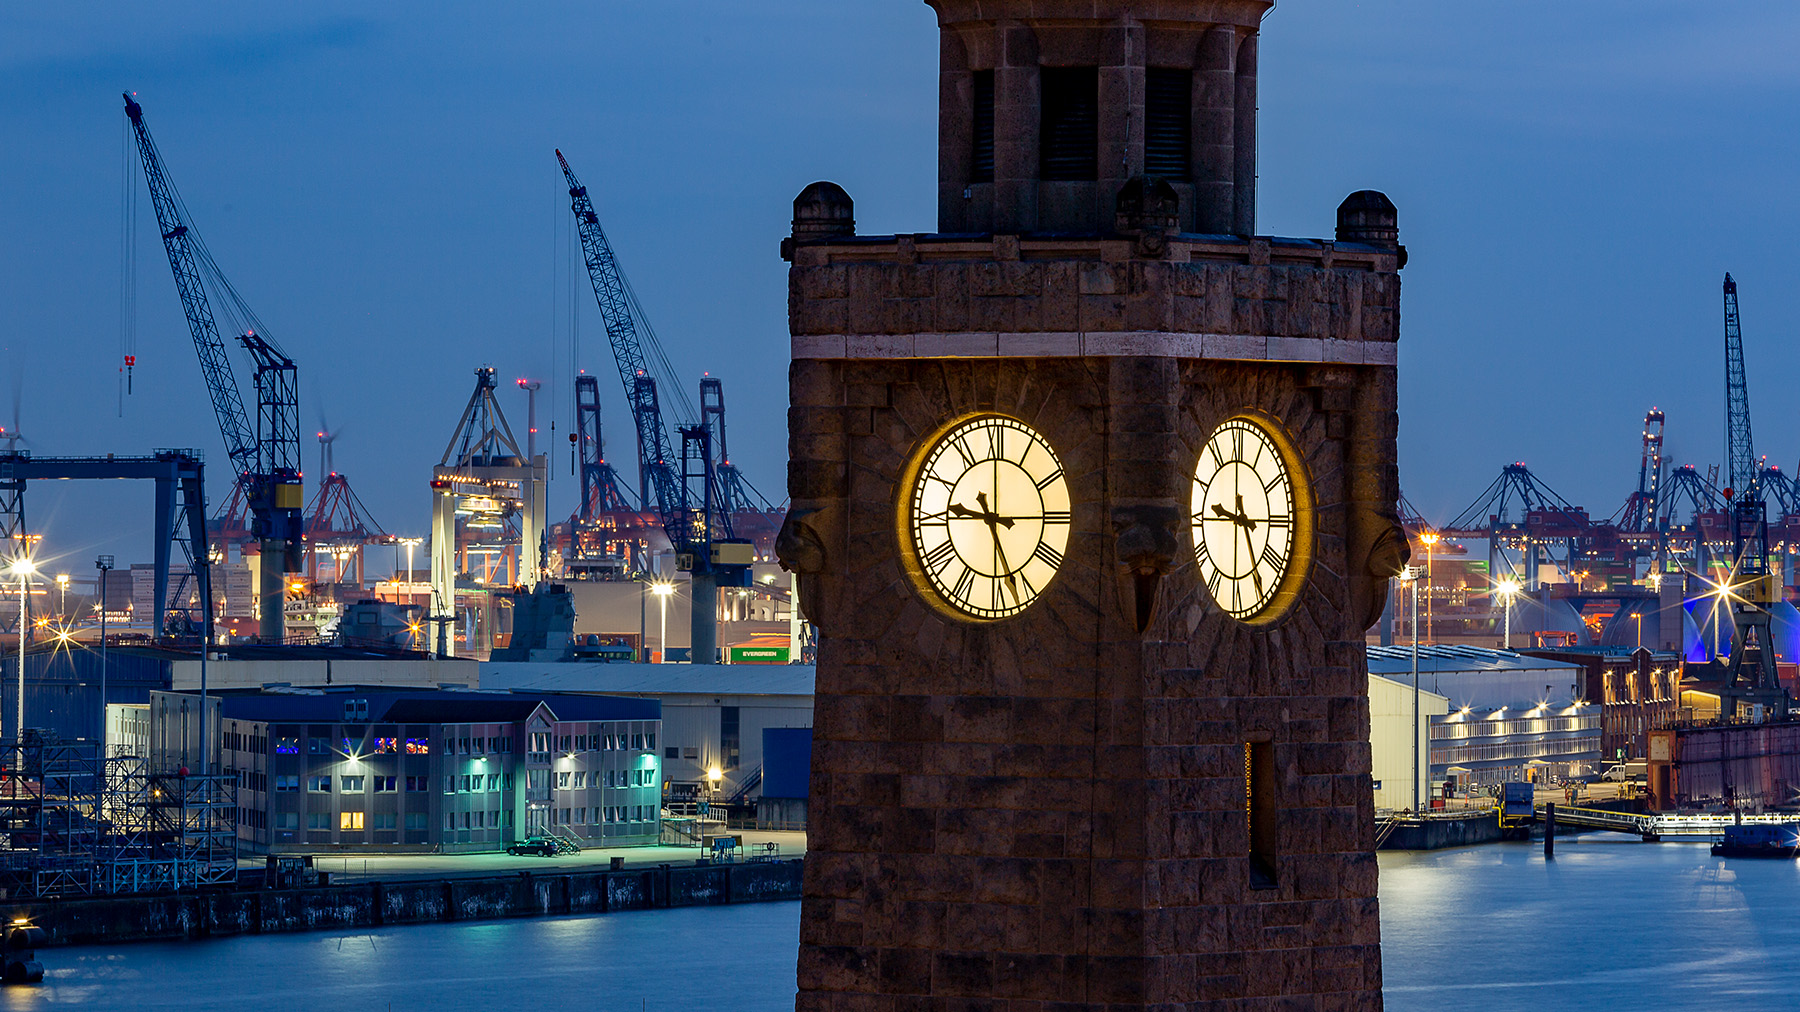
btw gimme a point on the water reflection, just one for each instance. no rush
(1610, 924)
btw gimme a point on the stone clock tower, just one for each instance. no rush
(1092, 503)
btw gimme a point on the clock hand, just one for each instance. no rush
(1244, 518)
(1255, 570)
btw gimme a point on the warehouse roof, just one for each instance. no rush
(1442, 657)
(650, 679)
(427, 707)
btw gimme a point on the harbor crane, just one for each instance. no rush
(684, 490)
(265, 455)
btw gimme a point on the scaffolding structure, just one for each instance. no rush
(76, 823)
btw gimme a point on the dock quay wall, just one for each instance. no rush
(100, 920)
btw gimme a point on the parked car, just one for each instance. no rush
(541, 846)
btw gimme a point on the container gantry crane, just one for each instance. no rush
(685, 488)
(1740, 451)
(265, 455)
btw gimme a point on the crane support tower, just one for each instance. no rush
(600, 492)
(483, 483)
(265, 455)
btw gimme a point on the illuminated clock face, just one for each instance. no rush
(987, 517)
(1250, 511)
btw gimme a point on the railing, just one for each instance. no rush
(1701, 824)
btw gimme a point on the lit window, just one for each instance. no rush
(350, 820)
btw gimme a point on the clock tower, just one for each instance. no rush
(1092, 502)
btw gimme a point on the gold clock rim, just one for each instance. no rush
(1300, 560)
(909, 557)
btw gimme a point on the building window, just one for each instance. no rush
(466, 820)
(581, 816)
(981, 140)
(384, 820)
(321, 785)
(506, 781)
(317, 746)
(494, 818)
(384, 784)
(318, 820)
(465, 783)
(562, 780)
(1260, 811)
(480, 820)
(417, 784)
(415, 820)
(418, 746)
(729, 741)
(1168, 122)
(478, 745)
(581, 743)
(1069, 123)
(288, 745)
(352, 785)
(449, 820)
(672, 752)
(350, 820)
(287, 820)
(580, 780)
(493, 781)
(284, 784)
(450, 785)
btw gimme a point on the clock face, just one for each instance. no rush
(1250, 516)
(986, 517)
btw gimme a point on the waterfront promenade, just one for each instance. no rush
(406, 867)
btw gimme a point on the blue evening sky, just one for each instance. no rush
(377, 180)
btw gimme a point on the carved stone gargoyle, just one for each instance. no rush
(800, 548)
(1146, 550)
(1379, 551)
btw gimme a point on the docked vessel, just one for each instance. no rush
(1778, 840)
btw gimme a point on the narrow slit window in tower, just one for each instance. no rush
(1259, 811)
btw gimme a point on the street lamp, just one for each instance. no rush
(22, 567)
(1508, 587)
(662, 589)
(105, 565)
(62, 586)
(1411, 575)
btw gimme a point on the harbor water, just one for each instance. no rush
(1610, 923)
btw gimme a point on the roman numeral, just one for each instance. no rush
(1218, 455)
(1274, 559)
(1056, 516)
(1281, 520)
(1237, 444)
(935, 519)
(964, 584)
(963, 451)
(997, 442)
(1273, 483)
(1044, 553)
(939, 556)
(1049, 479)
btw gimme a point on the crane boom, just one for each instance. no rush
(656, 455)
(1740, 453)
(265, 453)
(215, 368)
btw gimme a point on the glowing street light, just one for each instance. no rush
(662, 589)
(1428, 538)
(62, 585)
(1507, 588)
